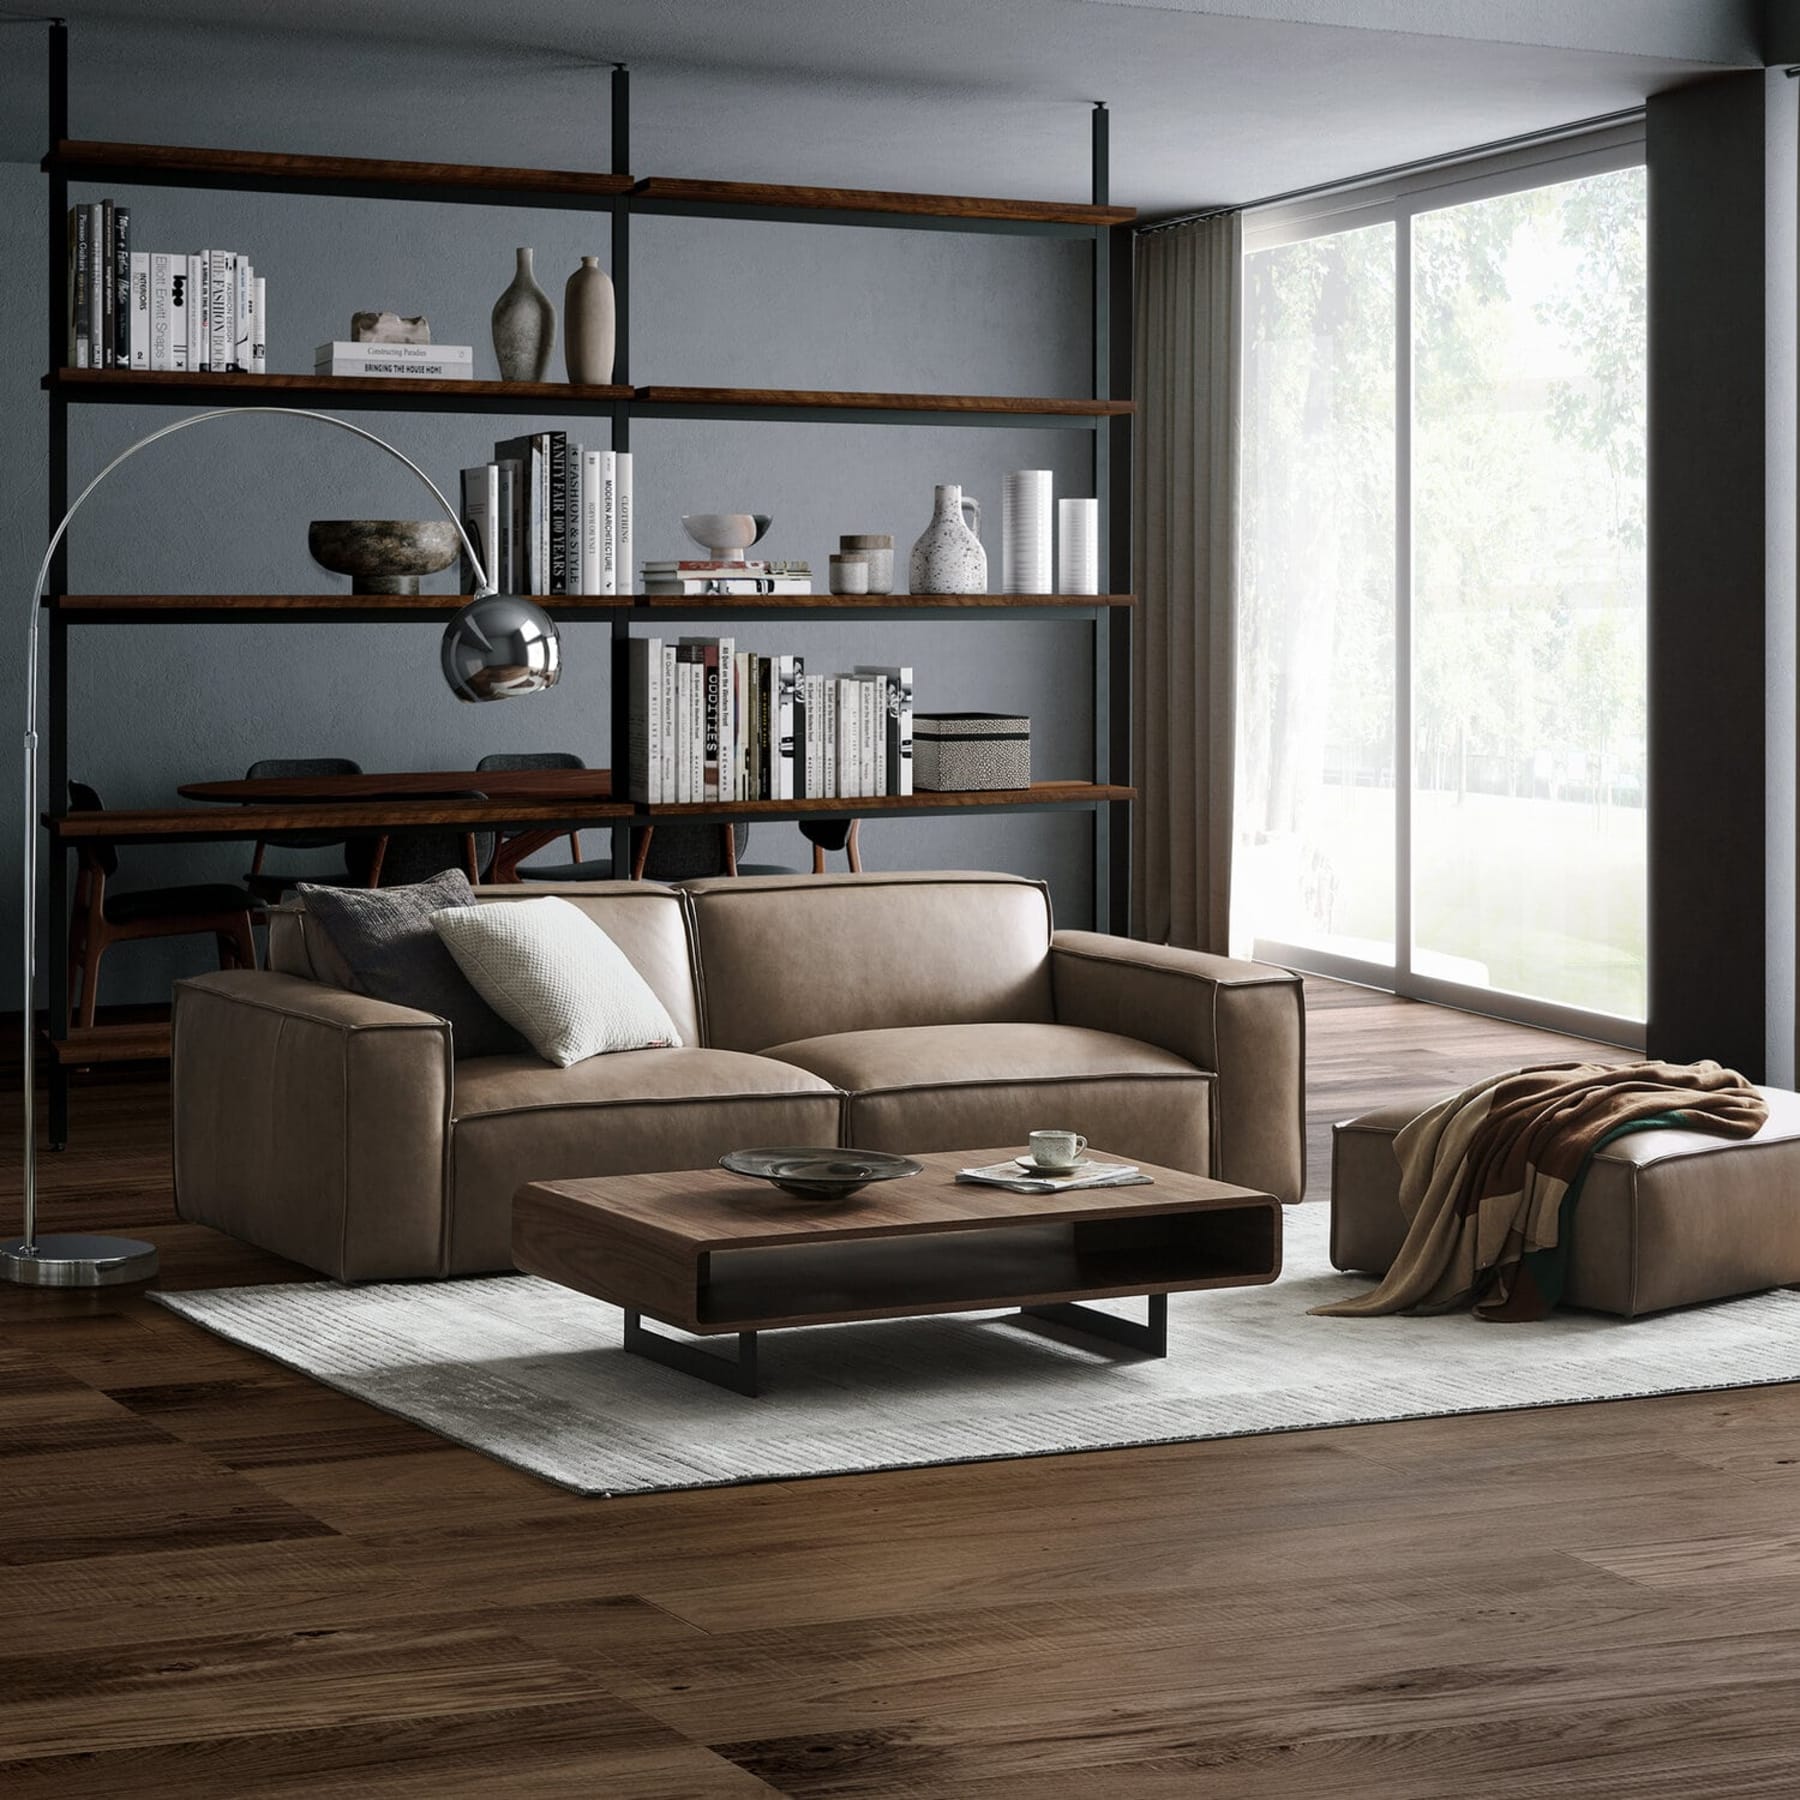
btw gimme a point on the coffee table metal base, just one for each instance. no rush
(1149, 1339)
(738, 1373)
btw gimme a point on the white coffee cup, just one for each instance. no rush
(1058, 1150)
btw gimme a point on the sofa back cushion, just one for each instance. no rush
(646, 920)
(797, 956)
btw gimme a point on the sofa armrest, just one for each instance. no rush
(1244, 1021)
(312, 1122)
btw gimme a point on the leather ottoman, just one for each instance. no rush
(1666, 1218)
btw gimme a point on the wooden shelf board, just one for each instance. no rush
(196, 165)
(1040, 793)
(152, 606)
(757, 194)
(120, 381)
(147, 1042)
(83, 158)
(828, 399)
(181, 824)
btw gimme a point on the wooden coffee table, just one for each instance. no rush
(716, 1255)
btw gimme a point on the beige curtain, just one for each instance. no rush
(1184, 546)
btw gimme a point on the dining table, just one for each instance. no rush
(572, 791)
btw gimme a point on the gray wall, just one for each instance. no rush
(224, 507)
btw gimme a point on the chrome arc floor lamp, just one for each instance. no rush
(498, 647)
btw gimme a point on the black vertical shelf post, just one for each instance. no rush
(55, 761)
(1101, 323)
(620, 723)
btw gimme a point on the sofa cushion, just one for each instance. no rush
(791, 956)
(514, 1119)
(548, 970)
(953, 1087)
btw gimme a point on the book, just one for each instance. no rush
(259, 327)
(243, 289)
(481, 519)
(180, 335)
(657, 584)
(508, 577)
(644, 669)
(199, 314)
(703, 565)
(220, 311)
(556, 540)
(897, 724)
(121, 283)
(530, 516)
(687, 667)
(386, 369)
(781, 728)
(80, 345)
(623, 546)
(609, 524)
(345, 351)
(667, 699)
(1016, 1180)
(105, 242)
(591, 523)
(708, 721)
(162, 353)
(138, 345)
(98, 342)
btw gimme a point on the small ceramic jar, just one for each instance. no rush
(878, 546)
(849, 572)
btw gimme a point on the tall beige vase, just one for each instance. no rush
(589, 322)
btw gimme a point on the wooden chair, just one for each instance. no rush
(102, 919)
(267, 886)
(529, 843)
(395, 859)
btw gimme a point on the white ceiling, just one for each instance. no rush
(1212, 101)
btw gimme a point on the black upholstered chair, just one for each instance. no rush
(395, 859)
(267, 884)
(537, 759)
(102, 918)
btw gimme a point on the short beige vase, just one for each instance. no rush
(524, 327)
(590, 322)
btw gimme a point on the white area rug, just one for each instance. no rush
(536, 1375)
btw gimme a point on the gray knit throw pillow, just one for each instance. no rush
(385, 936)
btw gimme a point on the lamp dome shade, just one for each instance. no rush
(500, 647)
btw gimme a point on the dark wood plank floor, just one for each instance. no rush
(217, 1577)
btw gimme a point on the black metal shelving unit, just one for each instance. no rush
(620, 195)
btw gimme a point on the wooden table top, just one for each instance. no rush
(496, 784)
(712, 1209)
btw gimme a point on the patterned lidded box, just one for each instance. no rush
(960, 753)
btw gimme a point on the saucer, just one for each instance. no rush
(1086, 1166)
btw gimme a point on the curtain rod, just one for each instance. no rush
(1406, 168)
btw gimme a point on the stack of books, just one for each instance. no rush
(403, 362)
(710, 722)
(203, 311)
(550, 517)
(702, 576)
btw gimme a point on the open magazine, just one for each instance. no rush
(1018, 1180)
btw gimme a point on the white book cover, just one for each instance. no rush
(670, 673)
(180, 355)
(393, 371)
(220, 309)
(623, 545)
(348, 350)
(141, 339)
(591, 524)
(199, 305)
(161, 319)
(740, 725)
(643, 672)
(829, 711)
(865, 740)
(810, 687)
(657, 796)
(259, 327)
(727, 718)
(537, 522)
(609, 523)
(849, 733)
(684, 722)
(877, 686)
(243, 292)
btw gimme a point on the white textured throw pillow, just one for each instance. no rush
(546, 968)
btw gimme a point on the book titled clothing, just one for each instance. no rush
(624, 548)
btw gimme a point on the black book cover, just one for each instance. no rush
(84, 326)
(557, 462)
(799, 738)
(765, 749)
(121, 280)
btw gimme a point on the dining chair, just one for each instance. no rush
(396, 859)
(267, 885)
(102, 918)
(535, 759)
(691, 849)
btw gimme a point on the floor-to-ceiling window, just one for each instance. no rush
(1441, 677)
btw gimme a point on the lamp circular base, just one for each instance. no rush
(77, 1260)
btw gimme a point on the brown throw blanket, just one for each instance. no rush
(1490, 1177)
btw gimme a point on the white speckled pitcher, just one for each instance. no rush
(948, 558)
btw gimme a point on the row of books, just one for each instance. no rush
(550, 517)
(710, 722)
(204, 311)
(390, 362)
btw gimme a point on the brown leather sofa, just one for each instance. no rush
(894, 1011)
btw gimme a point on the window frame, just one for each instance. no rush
(1398, 200)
